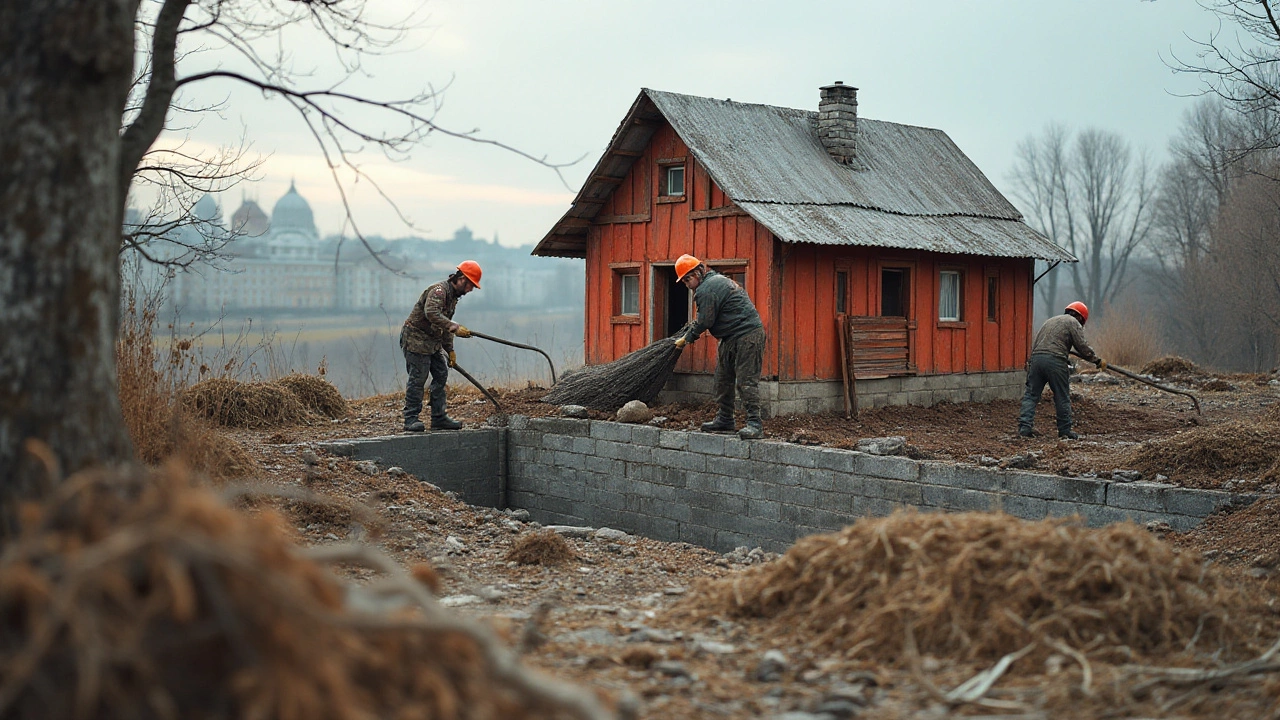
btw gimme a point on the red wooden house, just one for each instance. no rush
(884, 233)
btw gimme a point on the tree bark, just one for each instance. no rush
(64, 76)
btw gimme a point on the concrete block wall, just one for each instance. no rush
(786, 398)
(471, 463)
(720, 492)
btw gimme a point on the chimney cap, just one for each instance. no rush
(838, 84)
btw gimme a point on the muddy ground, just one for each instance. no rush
(601, 618)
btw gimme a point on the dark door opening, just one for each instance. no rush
(895, 285)
(671, 303)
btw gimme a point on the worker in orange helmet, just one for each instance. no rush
(427, 339)
(1048, 364)
(725, 309)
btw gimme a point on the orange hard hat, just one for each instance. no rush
(684, 264)
(1080, 309)
(471, 269)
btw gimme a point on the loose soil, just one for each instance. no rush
(615, 616)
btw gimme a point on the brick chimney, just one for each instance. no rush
(838, 121)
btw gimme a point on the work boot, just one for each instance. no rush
(1068, 435)
(444, 422)
(414, 426)
(753, 431)
(1025, 431)
(720, 424)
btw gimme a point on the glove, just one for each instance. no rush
(462, 332)
(453, 359)
(680, 342)
(1102, 364)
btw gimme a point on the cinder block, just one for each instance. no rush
(733, 467)
(765, 451)
(584, 446)
(761, 490)
(674, 477)
(952, 498)
(833, 459)
(735, 448)
(606, 466)
(561, 426)
(706, 443)
(730, 485)
(1021, 506)
(875, 506)
(644, 435)
(517, 422)
(797, 455)
(610, 449)
(673, 439)
(849, 483)
(1144, 496)
(698, 535)
(761, 529)
(524, 438)
(680, 459)
(1196, 503)
(961, 476)
(902, 491)
(764, 509)
(558, 442)
(1056, 487)
(570, 460)
(894, 468)
(801, 496)
(616, 432)
(816, 479)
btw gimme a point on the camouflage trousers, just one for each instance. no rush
(738, 363)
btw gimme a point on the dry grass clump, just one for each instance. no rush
(232, 403)
(156, 422)
(1208, 455)
(317, 394)
(978, 586)
(1171, 365)
(137, 595)
(541, 547)
(1126, 336)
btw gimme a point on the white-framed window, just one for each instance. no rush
(629, 294)
(673, 180)
(949, 295)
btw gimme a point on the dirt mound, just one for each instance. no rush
(232, 403)
(978, 586)
(139, 596)
(1217, 385)
(543, 547)
(1210, 455)
(316, 394)
(1171, 365)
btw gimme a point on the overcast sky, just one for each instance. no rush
(555, 77)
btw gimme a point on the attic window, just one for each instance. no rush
(671, 180)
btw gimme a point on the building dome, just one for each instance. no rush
(293, 213)
(206, 209)
(250, 220)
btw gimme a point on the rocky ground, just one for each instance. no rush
(602, 618)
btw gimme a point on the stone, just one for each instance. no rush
(1021, 461)
(454, 545)
(520, 514)
(580, 532)
(459, 600)
(396, 471)
(1125, 476)
(309, 456)
(590, 636)
(490, 593)
(635, 412)
(658, 421)
(892, 445)
(771, 666)
(984, 460)
(573, 411)
(368, 467)
(711, 647)
(671, 668)
(653, 635)
(607, 533)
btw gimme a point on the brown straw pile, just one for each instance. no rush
(232, 403)
(978, 586)
(541, 547)
(1209, 455)
(316, 394)
(1171, 365)
(136, 595)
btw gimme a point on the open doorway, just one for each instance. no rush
(671, 302)
(895, 292)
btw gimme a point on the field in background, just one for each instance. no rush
(361, 353)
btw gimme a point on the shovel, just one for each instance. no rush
(1135, 376)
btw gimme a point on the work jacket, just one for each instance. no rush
(724, 308)
(1059, 335)
(426, 330)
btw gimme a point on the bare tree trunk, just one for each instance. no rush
(64, 77)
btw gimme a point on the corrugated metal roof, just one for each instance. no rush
(911, 188)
